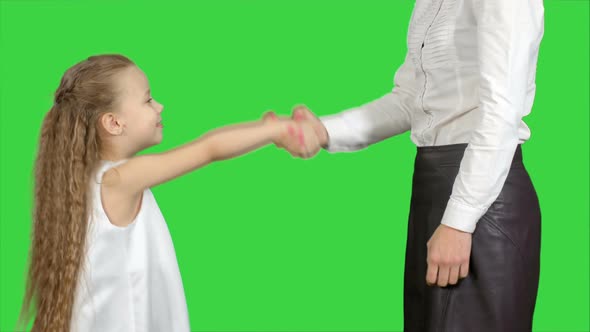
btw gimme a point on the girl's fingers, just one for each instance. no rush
(300, 113)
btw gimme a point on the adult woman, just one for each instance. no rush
(467, 81)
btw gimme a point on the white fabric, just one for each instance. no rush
(468, 77)
(130, 280)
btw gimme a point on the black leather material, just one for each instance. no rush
(500, 291)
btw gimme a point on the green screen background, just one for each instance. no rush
(266, 242)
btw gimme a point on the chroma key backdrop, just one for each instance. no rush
(266, 242)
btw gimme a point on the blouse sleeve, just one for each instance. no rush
(390, 115)
(508, 36)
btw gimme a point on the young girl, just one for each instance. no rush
(102, 258)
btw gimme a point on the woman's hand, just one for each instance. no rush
(448, 256)
(298, 138)
(307, 125)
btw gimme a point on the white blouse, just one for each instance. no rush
(468, 77)
(130, 281)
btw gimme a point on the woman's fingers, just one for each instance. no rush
(454, 275)
(464, 270)
(431, 274)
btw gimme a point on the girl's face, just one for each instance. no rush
(139, 112)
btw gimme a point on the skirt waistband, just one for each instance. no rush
(452, 154)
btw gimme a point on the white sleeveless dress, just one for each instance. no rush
(130, 279)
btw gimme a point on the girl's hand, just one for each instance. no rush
(297, 137)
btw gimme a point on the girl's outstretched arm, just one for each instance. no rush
(146, 171)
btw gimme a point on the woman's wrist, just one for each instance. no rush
(323, 137)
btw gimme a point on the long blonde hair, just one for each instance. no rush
(69, 152)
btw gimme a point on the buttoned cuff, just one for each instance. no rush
(462, 217)
(339, 134)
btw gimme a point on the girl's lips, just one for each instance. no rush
(159, 125)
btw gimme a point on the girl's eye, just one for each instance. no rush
(150, 100)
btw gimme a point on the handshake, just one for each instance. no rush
(304, 133)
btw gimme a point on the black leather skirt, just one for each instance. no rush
(500, 291)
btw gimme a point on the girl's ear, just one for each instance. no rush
(112, 124)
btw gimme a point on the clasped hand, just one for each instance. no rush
(305, 136)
